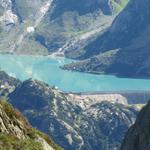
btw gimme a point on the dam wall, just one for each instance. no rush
(130, 97)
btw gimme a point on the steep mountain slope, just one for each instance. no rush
(73, 23)
(72, 124)
(129, 24)
(39, 27)
(138, 136)
(16, 132)
(7, 84)
(15, 35)
(124, 47)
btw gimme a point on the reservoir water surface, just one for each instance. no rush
(47, 69)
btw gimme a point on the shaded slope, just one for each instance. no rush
(138, 136)
(124, 47)
(69, 20)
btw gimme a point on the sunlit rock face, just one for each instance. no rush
(7, 15)
(7, 84)
(15, 131)
(73, 121)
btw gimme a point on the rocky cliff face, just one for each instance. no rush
(8, 16)
(43, 26)
(124, 47)
(96, 126)
(16, 132)
(7, 84)
(138, 136)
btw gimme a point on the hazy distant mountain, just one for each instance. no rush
(124, 47)
(38, 27)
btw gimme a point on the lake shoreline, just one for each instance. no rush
(47, 69)
(72, 70)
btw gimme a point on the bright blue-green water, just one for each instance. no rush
(47, 70)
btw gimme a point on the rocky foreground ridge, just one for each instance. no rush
(17, 134)
(138, 136)
(74, 121)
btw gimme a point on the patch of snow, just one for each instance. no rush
(30, 29)
(69, 138)
(45, 8)
(56, 87)
(2, 86)
(9, 17)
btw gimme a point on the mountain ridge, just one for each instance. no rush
(25, 30)
(68, 121)
(17, 133)
(123, 50)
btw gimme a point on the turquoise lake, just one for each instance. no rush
(47, 69)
